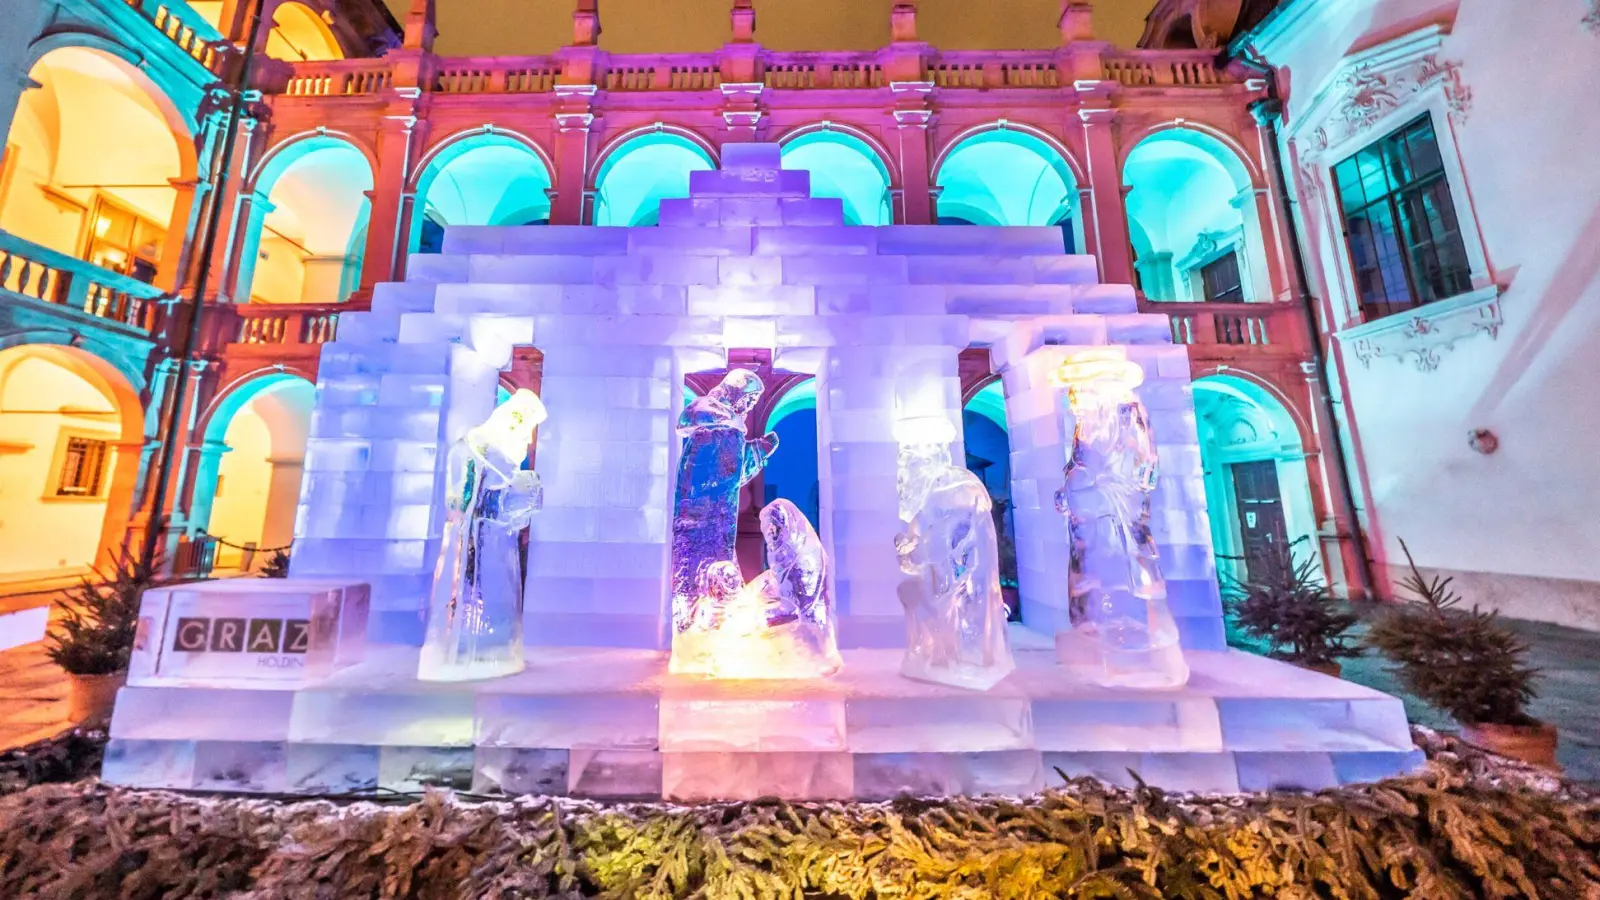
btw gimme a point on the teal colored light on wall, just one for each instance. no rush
(844, 166)
(637, 176)
(990, 402)
(1006, 177)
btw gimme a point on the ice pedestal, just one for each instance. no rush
(254, 629)
(612, 723)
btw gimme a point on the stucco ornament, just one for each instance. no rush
(1592, 20)
(1428, 331)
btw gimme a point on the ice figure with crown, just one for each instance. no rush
(955, 613)
(1118, 596)
(781, 624)
(475, 610)
(717, 460)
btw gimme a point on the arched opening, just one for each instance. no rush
(791, 474)
(300, 35)
(251, 465)
(89, 163)
(309, 224)
(1009, 177)
(485, 179)
(1192, 220)
(70, 432)
(987, 438)
(844, 166)
(637, 176)
(1257, 486)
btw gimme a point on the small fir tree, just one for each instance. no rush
(96, 632)
(1468, 664)
(277, 565)
(1283, 602)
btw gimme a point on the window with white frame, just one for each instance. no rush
(1400, 225)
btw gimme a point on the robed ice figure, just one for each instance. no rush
(475, 610)
(717, 460)
(1122, 628)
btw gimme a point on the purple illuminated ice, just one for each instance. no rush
(955, 613)
(1122, 627)
(718, 459)
(475, 610)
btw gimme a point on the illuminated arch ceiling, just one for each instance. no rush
(1235, 412)
(990, 402)
(299, 35)
(316, 191)
(645, 170)
(1005, 177)
(486, 179)
(283, 400)
(844, 166)
(1181, 185)
(60, 132)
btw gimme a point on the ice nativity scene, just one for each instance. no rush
(576, 590)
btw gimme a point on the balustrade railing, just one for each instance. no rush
(1160, 68)
(496, 75)
(48, 276)
(1262, 325)
(802, 71)
(285, 323)
(999, 69)
(191, 33)
(340, 78)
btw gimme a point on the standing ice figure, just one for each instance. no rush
(1117, 596)
(475, 611)
(955, 613)
(717, 461)
(781, 624)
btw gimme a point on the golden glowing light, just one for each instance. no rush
(1105, 367)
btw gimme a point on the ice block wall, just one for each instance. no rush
(749, 260)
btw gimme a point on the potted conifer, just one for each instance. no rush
(1465, 663)
(1282, 602)
(94, 638)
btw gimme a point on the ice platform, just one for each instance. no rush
(612, 723)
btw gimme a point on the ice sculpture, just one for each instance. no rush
(718, 459)
(1121, 624)
(475, 610)
(955, 613)
(781, 624)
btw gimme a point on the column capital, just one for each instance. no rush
(1098, 115)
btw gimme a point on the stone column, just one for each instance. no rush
(1108, 221)
(187, 207)
(571, 177)
(389, 184)
(913, 120)
(1341, 552)
(208, 466)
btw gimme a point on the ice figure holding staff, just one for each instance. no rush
(475, 610)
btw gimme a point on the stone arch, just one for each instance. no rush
(295, 33)
(498, 178)
(117, 210)
(844, 164)
(72, 465)
(1257, 483)
(250, 460)
(640, 168)
(1006, 173)
(307, 200)
(1190, 196)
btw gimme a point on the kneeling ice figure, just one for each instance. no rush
(955, 613)
(475, 610)
(1121, 626)
(781, 624)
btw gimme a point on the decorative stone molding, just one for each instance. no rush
(1427, 331)
(1371, 85)
(1592, 20)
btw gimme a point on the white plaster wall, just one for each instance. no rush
(1518, 528)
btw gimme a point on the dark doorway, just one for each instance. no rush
(1260, 505)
